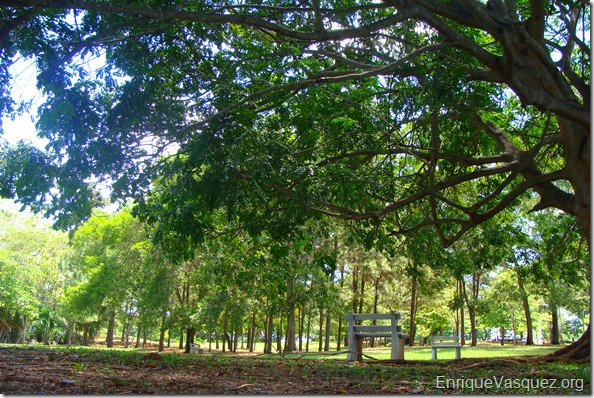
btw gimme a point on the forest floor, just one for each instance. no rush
(44, 370)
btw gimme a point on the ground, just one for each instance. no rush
(40, 370)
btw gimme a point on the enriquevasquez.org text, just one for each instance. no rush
(442, 382)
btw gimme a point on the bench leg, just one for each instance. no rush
(433, 353)
(359, 343)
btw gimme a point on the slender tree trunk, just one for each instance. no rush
(309, 314)
(341, 285)
(321, 331)
(252, 338)
(339, 334)
(355, 287)
(526, 305)
(224, 332)
(328, 326)
(362, 295)
(472, 307)
(169, 333)
(110, 328)
(162, 340)
(301, 317)
(413, 311)
(375, 300)
(290, 334)
(138, 333)
(502, 332)
(279, 334)
(462, 322)
(181, 338)
(269, 335)
(162, 332)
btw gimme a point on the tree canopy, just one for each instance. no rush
(398, 115)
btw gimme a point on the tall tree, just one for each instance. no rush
(370, 112)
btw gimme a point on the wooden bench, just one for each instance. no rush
(356, 333)
(444, 342)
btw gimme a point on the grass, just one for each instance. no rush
(485, 350)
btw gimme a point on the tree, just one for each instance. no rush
(109, 249)
(31, 285)
(398, 115)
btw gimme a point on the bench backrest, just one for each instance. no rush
(373, 330)
(444, 340)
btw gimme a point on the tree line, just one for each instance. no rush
(110, 278)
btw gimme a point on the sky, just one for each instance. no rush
(23, 126)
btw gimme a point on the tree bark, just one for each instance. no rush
(110, 329)
(327, 339)
(412, 327)
(526, 306)
(138, 333)
(252, 339)
(554, 325)
(190, 332)
(309, 314)
(321, 331)
(290, 333)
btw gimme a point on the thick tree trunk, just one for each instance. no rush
(162, 340)
(162, 332)
(554, 325)
(69, 334)
(190, 332)
(110, 329)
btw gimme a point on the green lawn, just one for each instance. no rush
(483, 350)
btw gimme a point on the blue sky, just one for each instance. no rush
(23, 126)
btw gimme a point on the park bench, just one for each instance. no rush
(356, 333)
(195, 349)
(444, 342)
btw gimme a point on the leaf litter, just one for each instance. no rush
(86, 371)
